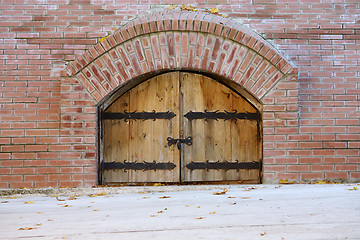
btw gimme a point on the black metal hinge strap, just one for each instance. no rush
(138, 165)
(138, 115)
(221, 115)
(223, 165)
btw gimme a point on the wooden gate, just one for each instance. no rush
(180, 127)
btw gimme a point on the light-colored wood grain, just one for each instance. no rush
(217, 140)
(116, 140)
(213, 140)
(192, 100)
(244, 139)
(144, 140)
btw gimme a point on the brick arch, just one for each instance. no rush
(181, 40)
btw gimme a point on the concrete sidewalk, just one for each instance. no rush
(330, 211)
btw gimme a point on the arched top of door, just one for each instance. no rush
(170, 40)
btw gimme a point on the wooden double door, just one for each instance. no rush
(180, 127)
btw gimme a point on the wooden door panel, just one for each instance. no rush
(144, 141)
(224, 126)
(217, 140)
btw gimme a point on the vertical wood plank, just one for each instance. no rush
(116, 140)
(192, 100)
(245, 146)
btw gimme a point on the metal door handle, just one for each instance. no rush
(178, 141)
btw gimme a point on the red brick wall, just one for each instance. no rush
(47, 124)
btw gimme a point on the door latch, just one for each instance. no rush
(179, 141)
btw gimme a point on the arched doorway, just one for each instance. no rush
(164, 41)
(180, 127)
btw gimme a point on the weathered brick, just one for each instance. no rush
(36, 95)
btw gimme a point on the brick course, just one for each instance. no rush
(47, 119)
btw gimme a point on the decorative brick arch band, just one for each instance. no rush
(176, 40)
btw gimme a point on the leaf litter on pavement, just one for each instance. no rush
(97, 194)
(163, 197)
(249, 189)
(70, 198)
(221, 193)
(27, 228)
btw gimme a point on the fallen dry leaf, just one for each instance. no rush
(214, 10)
(27, 228)
(29, 202)
(102, 39)
(353, 189)
(198, 207)
(234, 203)
(187, 205)
(199, 218)
(164, 197)
(286, 181)
(262, 234)
(97, 195)
(12, 197)
(171, 7)
(212, 212)
(322, 182)
(39, 224)
(160, 212)
(188, 8)
(4, 201)
(39, 212)
(231, 197)
(249, 189)
(153, 215)
(158, 184)
(220, 193)
(96, 210)
(57, 198)
(67, 205)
